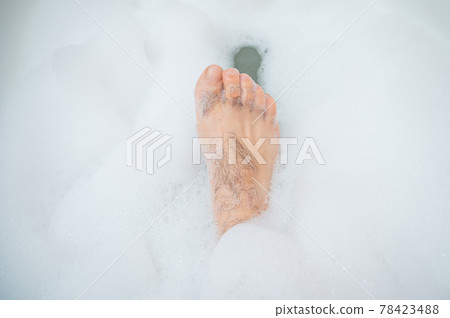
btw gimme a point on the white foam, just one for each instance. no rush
(375, 103)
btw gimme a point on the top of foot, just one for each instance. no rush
(232, 107)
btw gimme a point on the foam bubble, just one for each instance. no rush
(375, 103)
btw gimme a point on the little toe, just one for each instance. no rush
(271, 108)
(260, 99)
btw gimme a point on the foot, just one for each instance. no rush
(230, 106)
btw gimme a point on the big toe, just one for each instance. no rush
(208, 89)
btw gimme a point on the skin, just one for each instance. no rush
(227, 103)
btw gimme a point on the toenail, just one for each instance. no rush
(232, 71)
(213, 73)
(245, 77)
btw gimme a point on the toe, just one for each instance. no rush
(231, 84)
(211, 79)
(247, 90)
(271, 107)
(260, 99)
(209, 87)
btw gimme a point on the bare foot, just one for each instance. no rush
(227, 105)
